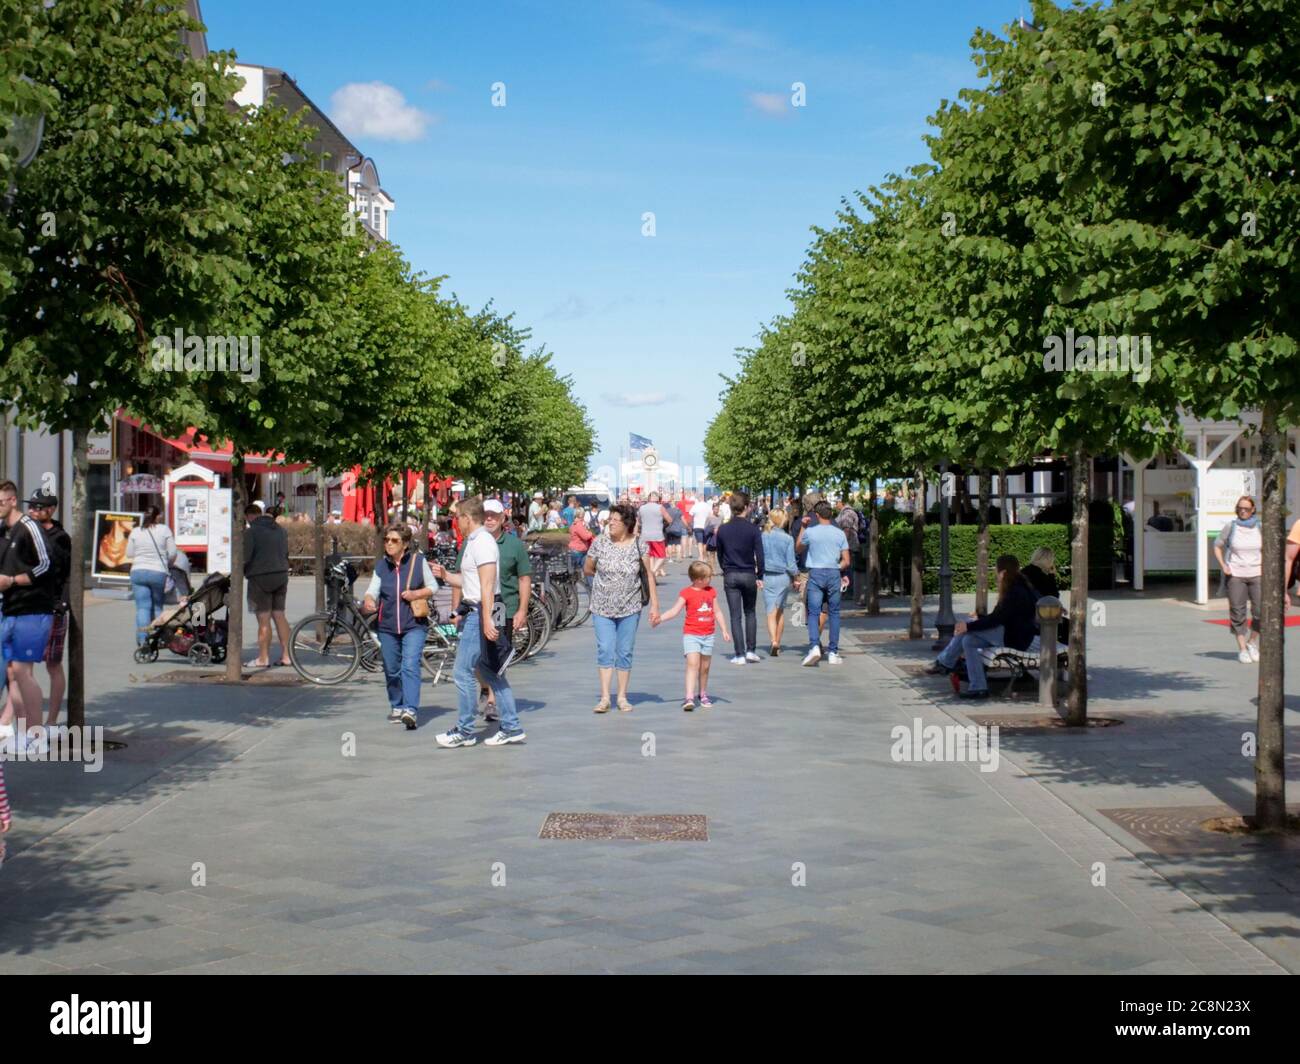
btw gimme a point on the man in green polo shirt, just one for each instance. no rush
(515, 576)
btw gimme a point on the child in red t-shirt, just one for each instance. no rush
(700, 601)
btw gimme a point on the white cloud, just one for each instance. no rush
(372, 109)
(639, 398)
(772, 104)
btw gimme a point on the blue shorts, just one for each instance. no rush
(25, 638)
(700, 535)
(698, 644)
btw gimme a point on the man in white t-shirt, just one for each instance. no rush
(724, 509)
(479, 581)
(700, 514)
(537, 513)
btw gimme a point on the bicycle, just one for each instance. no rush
(328, 648)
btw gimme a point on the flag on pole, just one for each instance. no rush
(637, 445)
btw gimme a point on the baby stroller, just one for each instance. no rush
(189, 628)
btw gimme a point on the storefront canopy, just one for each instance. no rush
(217, 456)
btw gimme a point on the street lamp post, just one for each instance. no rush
(21, 144)
(946, 622)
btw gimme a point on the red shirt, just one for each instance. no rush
(700, 605)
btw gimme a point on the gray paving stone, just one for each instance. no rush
(383, 863)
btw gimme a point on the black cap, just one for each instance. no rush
(43, 498)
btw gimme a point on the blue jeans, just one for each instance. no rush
(824, 584)
(969, 646)
(402, 666)
(615, 639)
(147, 588)
(468, 652)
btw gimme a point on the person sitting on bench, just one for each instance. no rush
(1013, 623)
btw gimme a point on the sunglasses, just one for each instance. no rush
(392, 539)
(1245, 509)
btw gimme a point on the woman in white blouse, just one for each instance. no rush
(1239, 550)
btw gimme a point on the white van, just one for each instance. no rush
(591, 492)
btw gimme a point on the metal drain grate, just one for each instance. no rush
(655, 827)
(1181, 830)
(1026, 724)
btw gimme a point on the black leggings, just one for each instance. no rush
(742, 593)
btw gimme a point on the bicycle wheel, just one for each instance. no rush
(324, 650)
(438, 657)
(541, 624)
(567, 604)
(583, 595)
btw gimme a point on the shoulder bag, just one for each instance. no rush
(642, 575)
(420, 606)
(169, 585)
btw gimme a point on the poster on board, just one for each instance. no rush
(190, 512)
(219, 504)
(112, 528)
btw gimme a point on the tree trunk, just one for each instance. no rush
(77, 580)
(1007, 517)
(406, 494)
(1077, 702)
(982, 546)
(916, 629)
(235, 601)
(428, 506)
(873, 558)
(318, 541)
(1270, 776)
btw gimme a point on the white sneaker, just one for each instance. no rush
(834, 659)
(454, 738)
(738, 660)
(812, 657)
(1245, 658)
(501, 739)
(751, 656)
(1253, 649)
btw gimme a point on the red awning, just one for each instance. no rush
(217, 457)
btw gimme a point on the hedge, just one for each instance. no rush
(963, 542)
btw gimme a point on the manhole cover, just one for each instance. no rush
(1172, 830)
(1025, 724)
(655, 827)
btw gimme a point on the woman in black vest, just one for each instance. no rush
(402, 576)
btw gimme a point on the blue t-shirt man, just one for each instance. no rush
(824, 542)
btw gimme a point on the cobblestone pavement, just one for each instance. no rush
(409, 858)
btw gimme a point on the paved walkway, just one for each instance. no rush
(385, 861)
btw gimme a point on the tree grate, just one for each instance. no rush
(629, 827)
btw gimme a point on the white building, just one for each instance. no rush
(358, 172)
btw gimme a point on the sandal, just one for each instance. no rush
(602, 706)
(624, 706)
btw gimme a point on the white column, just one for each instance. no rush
(1139, 520)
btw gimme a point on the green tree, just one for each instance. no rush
(130, 214)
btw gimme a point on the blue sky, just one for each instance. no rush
(613, 109)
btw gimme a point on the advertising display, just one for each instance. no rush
(190, 514)
(219, 504)
(112, 528)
